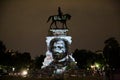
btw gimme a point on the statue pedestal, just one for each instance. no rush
(59, 32)
(57, 55)
(58, 35)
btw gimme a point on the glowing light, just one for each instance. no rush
(24, 73)
(13, 69)
(97, 65)
(92, 66)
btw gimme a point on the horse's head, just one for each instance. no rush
(68, 16)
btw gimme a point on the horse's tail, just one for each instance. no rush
(49, 19)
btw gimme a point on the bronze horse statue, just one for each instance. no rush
(59, 18)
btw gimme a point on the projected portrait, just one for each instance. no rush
(58, 48)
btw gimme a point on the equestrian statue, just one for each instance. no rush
(62, 18)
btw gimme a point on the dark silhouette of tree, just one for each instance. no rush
(85, 58)
(13, 58)
(111, 52)
(21, 60)
(100, 59)
(26, 58)
(2, 52)
(2, 47)
(7, 59)
(16, 59)
(38, 61)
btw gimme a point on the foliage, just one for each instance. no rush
(38, 61)
(86, 58)
(2, 47)
(13, 58)
(111, 52)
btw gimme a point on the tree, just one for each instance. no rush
(38, 61)
(16, 59)
(2, 52)
(83, 58)
(21, 60)
(2, 47)
(26, 58)
(111, 52)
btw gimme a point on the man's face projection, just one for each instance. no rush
(59, 49)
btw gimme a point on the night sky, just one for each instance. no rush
(23, 24)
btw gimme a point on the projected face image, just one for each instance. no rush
(59, 47)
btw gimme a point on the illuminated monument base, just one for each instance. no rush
(58, 57)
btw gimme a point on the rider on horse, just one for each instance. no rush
(60, 18)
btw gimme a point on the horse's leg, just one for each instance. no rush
(65, 25)
(51, 24)
(49, 19)
(56, 25)
(62, 24)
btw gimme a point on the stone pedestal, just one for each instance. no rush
(57, 54)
